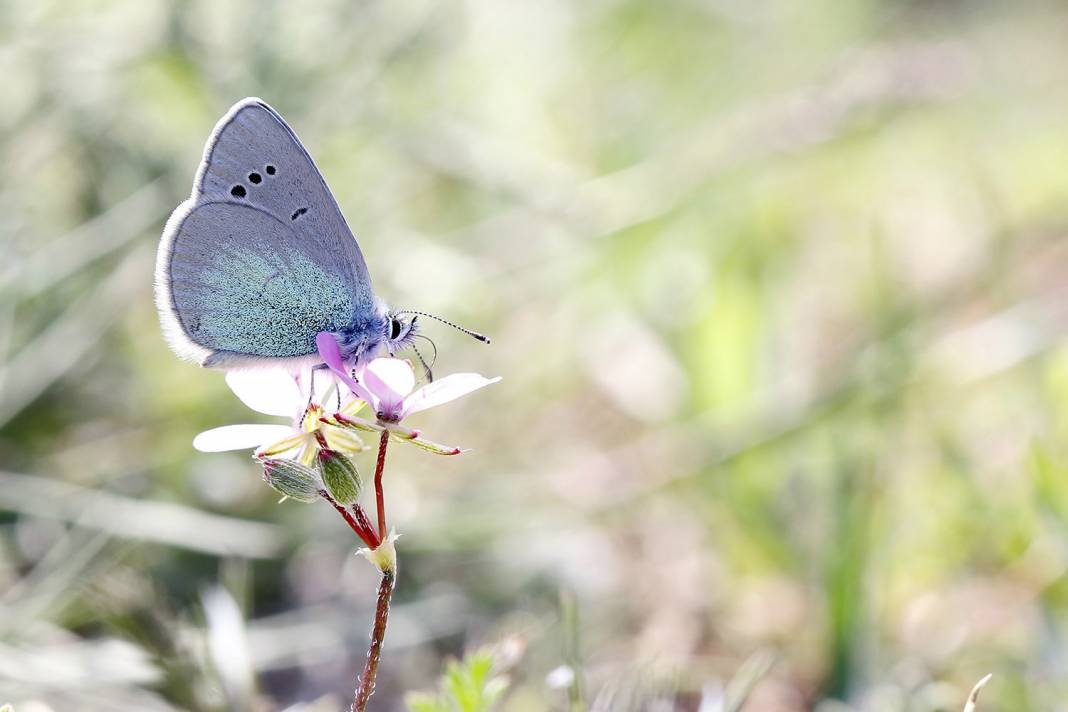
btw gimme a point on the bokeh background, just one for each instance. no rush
(777, 290)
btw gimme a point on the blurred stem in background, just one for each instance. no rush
(569, 615)
(846, 579)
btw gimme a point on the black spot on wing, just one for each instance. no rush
(297, 213)
(255, 178)
(270, 170)
(238, 191)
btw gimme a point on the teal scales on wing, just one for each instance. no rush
(259, 259)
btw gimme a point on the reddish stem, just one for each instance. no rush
(366, 686)
(383, 441)
(361, 517)
(362, 529)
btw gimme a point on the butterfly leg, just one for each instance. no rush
(311, 391)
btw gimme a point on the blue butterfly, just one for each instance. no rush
(258, 263)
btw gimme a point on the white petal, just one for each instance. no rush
(396, 374)
(326, 387)
(270, 391)
(444, 390)
(240, 437)
(391, 379)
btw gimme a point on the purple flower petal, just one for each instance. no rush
(330, 353)
(444, 390)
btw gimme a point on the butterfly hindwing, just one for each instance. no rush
(259, 259)
(242, 282)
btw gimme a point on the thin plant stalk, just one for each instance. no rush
(383, 442)
(366, 686)
(358, 524)
(361, 518)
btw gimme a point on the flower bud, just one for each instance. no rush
(340, 476)
(292, 479)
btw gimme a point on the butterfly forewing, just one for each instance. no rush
(259, 259)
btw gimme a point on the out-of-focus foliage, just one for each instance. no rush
(467, 685)
(777, 290)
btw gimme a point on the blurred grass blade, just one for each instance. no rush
(123, 222)
(973, 698)
(139, 519)
(228, 648)
(749, 675)
(56, 576)
(55, 351)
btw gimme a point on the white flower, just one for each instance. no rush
(277, 392)
(389, 384)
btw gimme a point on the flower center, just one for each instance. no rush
(312, 418)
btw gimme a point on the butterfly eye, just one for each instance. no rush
(394, 329)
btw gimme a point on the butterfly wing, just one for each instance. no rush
(259, 259)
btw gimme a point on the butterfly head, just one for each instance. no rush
(401, 332)
(389, 332)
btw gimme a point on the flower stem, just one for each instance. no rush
(366, 686)
(362, 529)
(361, 517)
(383, 441)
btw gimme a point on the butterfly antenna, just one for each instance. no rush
(434, 346)
(426, 369)
(481, 337)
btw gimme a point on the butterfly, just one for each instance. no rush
(258, 264)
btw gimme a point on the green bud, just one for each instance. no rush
(340, 476)
(292, 479)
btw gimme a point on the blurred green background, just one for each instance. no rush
(777, 290)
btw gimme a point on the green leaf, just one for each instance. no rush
(467, 685)
(420, 702)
